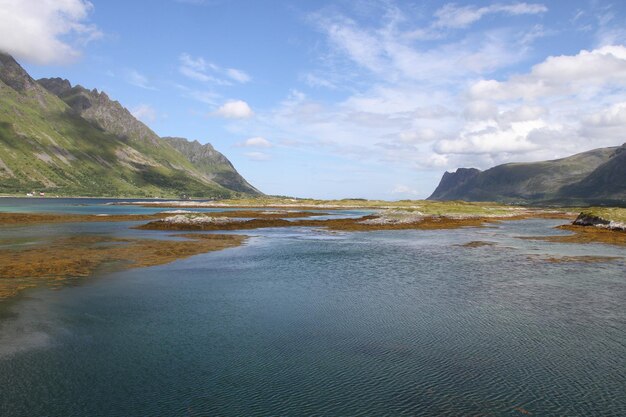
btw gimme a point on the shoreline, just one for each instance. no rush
(64, 259)
(57, 263)
(27, 219)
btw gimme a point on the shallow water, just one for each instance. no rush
(309, 322)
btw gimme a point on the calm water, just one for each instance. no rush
(307, 322)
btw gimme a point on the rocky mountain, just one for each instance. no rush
(206, 159)
(69, 140)
(594, 177)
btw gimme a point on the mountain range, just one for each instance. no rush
(596, 177)
(69, 140)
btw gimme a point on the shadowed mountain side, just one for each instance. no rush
(593, 177)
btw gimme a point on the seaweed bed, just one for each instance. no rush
(60, 261)
(25, 219)
(56, 261)
(345, 224)
(585, 234)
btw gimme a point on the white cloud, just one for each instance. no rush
(390, 51)
(137, 79)
(235, 109)
(613, 116)
(199, 69)
(144, 112)
(490, 138)
(454, 16)
(608, 123)
(404, 189)
(45, 32)
(583, 73)
(237, 75)
(256, 142)
(204, 96)
(449, 102)
(257, 156)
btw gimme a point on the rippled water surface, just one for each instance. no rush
(307, 322)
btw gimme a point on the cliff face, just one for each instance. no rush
(594, 177)
(69, 140)
(98, 108)
(452, 182)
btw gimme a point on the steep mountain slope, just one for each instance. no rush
(73, 141)
(211, 162)
(607, 182)
(99, 109)
(592, 177)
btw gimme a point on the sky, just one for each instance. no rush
(345, 99)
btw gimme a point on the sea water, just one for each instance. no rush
(304, 321)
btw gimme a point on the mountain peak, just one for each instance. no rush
(453, 180)
(13, 75)
(592, 177)
(98, 108)
(80, 142)
(212, 162)
(57, 86)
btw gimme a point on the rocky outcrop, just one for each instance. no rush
(98, 108)
(590, 219)
(13, 75)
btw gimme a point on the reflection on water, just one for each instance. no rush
(309, 322)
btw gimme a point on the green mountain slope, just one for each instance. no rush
(73, 141)
(209, 161)
(594, 177)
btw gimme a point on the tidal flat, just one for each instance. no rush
(406, 310)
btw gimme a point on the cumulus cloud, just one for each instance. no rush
(583, 73)
(199, 69)
(234, 109)
(45, 32)
(608, 123)
(256, 142)
(458, 99)
(490, 138)
(144, 112)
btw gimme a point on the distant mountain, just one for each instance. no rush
(593, 177)
(209, 161)
(64, 139)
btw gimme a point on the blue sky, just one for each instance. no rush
(339, 99)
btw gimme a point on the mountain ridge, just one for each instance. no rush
(597, 176)
(70, 140)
